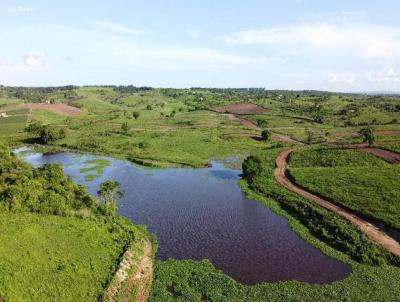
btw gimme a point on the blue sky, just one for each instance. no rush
(337, 45)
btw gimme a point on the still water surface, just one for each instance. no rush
(203, 214)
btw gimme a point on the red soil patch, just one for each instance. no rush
(246, 108)
(57, 108)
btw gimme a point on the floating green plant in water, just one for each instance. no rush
(96, 166)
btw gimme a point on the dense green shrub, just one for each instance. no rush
(42, 190)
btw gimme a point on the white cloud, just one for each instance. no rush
(116, 28)
(193, 33)
(34, 59)
(179, 57)
(368, 40)
(4, 62)
(346, 78)
(94, 50)
(385, 75)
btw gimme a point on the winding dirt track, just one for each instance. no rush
(387, 155)
(376, 235)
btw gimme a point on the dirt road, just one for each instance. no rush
(376, 235)
(244, 122)
(285, 139)
(389, 156)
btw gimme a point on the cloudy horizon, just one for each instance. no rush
(345, 46)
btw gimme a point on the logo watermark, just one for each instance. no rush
(20, 9)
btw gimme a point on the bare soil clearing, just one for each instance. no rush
(375, 234)
(57, 108)
(246, 108)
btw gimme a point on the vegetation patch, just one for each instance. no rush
(95, 169)
(48, 258)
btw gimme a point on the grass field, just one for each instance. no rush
(12, 124)
(178, 127)
(357, 180)
(50, 258)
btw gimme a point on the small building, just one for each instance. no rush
(3, 114)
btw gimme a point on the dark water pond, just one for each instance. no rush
(202, 214)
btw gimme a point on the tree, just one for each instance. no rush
(109, 192)
(252, 166)
(48, 134)
(317, 118)
(135, 115)
(125, 127)
(149, 107)
(310, 137)
(368, 135)
(265, 134)
(172, 114)
(262, 123)
(62, 133)
(35, 127)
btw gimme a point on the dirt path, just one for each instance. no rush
(346, 134)
(232, 113)
(285, 139)
(389, 156)
(126, 278)
(376, 235)
(244, 122)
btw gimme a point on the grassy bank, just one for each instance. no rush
(52, 258)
